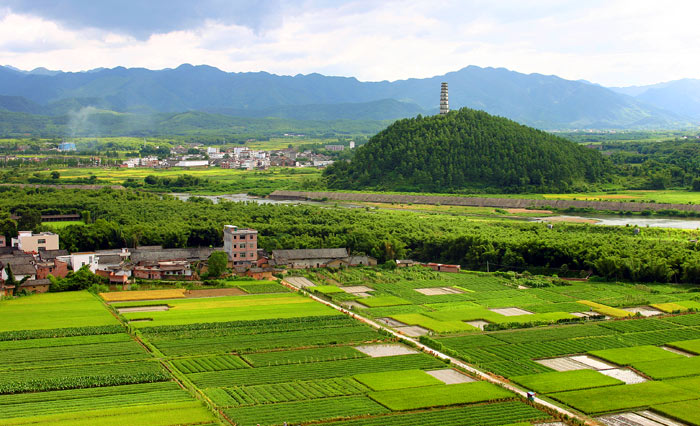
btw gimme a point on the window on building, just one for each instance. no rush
(242, 254)
(41, 241)
(250, 254)
(234, 255)
(252, 236)
(243, 245)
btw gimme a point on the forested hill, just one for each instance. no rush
(467, 149)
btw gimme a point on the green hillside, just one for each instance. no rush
(467, 150)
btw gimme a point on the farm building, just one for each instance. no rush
(158, 254)
(442, 267)
(57, 268)
(318, 258)
(22, 265)
(28, 242)
(173, 269)
(35, 286)
(241, 245)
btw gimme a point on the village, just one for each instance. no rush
(32, 257)
(195, 155)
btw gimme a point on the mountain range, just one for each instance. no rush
(545, 102)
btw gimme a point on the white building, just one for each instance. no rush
(192, 163)
(78, 260)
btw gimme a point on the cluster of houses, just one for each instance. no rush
(35, 256)
(238, 158)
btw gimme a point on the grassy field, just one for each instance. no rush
(53, 310)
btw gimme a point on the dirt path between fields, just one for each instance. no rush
(454, 361)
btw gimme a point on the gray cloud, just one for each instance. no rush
(141, 18)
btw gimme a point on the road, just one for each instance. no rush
(454, 361)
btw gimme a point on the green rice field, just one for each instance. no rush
(283, 357)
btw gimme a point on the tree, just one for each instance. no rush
(217, 263)
(55, 175)
(8, 227)
(28, 219)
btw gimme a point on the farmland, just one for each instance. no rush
(72, 360)
(265, 359)
(576, 343)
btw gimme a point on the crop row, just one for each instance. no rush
(332, 353)
(520, 367)
(254, 343)
(214, 363)
(248, 331)
(689, 320)
(81, 377)
(107, 401)
(64, 341)
(660, 337)
(319, 370)
(500, 413)
(305, 411)
(288, 392)
(547, 334)
(86, 393)
(638, 325)
(555, 348)
(263, 288)
(240, 326)
(126, 350)
(60, 332)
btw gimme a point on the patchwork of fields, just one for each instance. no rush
(580, 344)
(69, 361)
(282, 357)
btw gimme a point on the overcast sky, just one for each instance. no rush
(611, 42)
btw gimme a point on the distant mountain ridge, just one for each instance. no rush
(679, 96)
(545, 102)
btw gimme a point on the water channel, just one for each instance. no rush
(605, 220)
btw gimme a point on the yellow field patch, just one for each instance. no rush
(121, 296)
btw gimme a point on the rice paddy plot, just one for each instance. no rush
(494, 414)
(618, 398)
(389, 380)
(692, 346)
(685, 411)
(560, 381)
(285, 392)
(669, 368)
(441, 395)
(305, 411)
(332, 353)
(53, 310)
(232, 308)
(627, 356)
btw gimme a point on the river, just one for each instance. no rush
(605, 220)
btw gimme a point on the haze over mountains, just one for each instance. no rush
(546, 102)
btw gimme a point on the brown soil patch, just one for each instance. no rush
(214, 292)
(529, 211)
